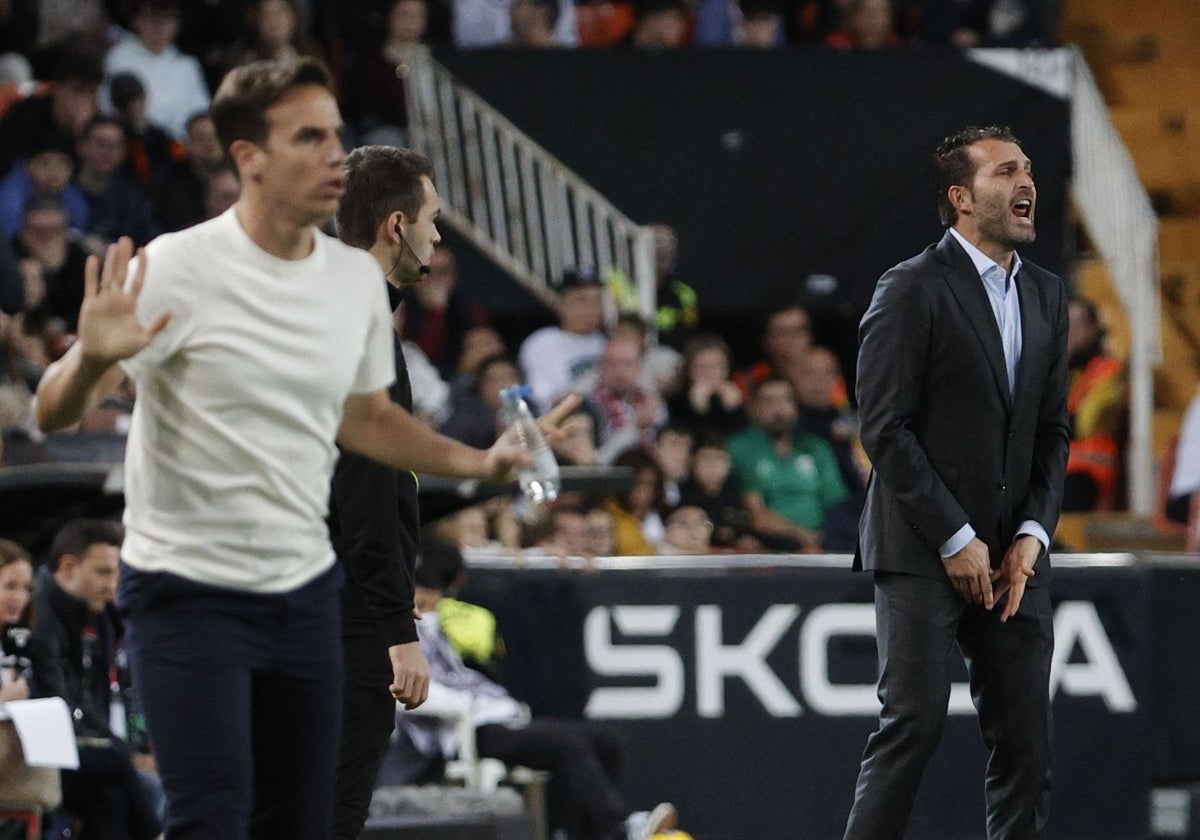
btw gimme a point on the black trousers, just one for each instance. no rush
(242, 694)
(106, 794)
(368, 718)
(918, 622)
(584, 760)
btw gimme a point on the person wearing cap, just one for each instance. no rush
(554, 357)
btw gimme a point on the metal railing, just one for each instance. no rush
(1121, 222)
(1116, 213)
(514, 200)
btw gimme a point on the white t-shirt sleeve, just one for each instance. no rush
(377, 370)
(164, 290)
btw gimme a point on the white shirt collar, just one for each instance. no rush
(981, 260)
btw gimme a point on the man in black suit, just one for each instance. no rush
(962, 387)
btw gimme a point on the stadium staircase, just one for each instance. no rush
(1146, 60)
(511, 198)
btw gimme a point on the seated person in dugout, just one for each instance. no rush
(582, 758)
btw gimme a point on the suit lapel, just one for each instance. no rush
(967, 288)
(1031, 328)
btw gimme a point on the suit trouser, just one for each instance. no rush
(918, 621)
(368, 719)
(242, 695)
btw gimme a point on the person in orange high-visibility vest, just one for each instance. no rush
(1096, 404)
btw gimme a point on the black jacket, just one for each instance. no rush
(71, 655)
(375, 523)
(949, 444)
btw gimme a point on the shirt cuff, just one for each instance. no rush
(1034, 529)
(399, 628)
(957, 542)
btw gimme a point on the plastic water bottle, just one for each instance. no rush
(540, 480)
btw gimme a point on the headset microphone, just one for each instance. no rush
(422, 269)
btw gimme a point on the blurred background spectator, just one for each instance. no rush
(174, 82)
(437, 314)
(1096, 406)
(554, 357)
(373, 101)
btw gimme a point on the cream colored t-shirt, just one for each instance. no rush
(239, 399)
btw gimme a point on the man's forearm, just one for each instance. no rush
(394, 437)
(71, 387)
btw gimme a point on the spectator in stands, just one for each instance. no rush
(755, 24)
(789, 479)
(45, 174)
(175, 86)
(1096, 405)
(483, 23)
(787, 336)
(601, 535)
(688, 530)
(221, 192)
(709, 398)
(437, 314)
(869, 25)
(76, 73)
(636, 520)
(627, 414)
(710, 487)
(989, 23)
(16, 592)
(678, 314)
(277, 30)
(1185, 481)
(150, 153)
(373, 101)
(577, 753)
(64, 21)
(816, 382)
(51, 258)
(478, 343)
(474, 412)
(181, 203)
(554, 357)
(16, 394)
(117, 205)
(72, 656)
(532, 23)
(673, 451)
(659, 24)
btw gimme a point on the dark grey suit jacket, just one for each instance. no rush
(949, 444)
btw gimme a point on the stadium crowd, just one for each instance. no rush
(104, 132)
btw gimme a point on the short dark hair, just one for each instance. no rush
(438, 565)
(486, 362)
(71, 61)
(239, 108)
(955, 166)
(380, 180)
(757, 386)
(124, 88)
(78, 535)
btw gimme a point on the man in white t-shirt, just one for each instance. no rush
(554, 357)
(255, 341)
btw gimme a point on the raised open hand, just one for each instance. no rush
(109, 329)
